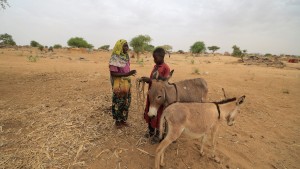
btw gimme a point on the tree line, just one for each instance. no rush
(139, 44)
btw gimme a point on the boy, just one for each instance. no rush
(160, 71)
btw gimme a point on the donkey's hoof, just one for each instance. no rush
(202, 153)
(162, 164)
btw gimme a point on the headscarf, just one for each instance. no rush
(119, 58)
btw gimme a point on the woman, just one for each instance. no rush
(119, 67)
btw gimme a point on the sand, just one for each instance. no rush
(55, 113)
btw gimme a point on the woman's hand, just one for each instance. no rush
(132, 73)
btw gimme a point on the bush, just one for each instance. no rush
(79, 43)
(180, 51)
(57, 46)
(268, 55)
(34, 44)
(196, 71)
(41, 48)
(104, 47)
(32, 58)
(50, 49)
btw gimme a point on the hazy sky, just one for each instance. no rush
(260, 26)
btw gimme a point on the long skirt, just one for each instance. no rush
(121, 98)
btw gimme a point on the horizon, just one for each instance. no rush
(257, 26)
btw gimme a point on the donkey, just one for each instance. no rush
(196, 120)
(165, 93)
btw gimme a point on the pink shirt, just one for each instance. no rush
(116, 69)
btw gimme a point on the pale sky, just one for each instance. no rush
(260, 26)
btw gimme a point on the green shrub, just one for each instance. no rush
(104, 47)
(141, 62)
(268, 55)
(34, 44)
(41, 48)
(57, 46)
(180, 51)
(32, 58)
(196, 71)
(50, 49)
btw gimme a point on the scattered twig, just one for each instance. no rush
(145, 152)
(138, 142)
(185, 164)
(78, 151)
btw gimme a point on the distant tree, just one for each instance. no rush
(149, 48)
(198, 47)
(50, 49)
(180, 51)
(3, 4)
(139, 43)
(213, 48)
(79, 43)
(268, 55)
(34, 44)
(238, 53)
(7, 39)
(167, 48)
(57, 46)
(104, 47)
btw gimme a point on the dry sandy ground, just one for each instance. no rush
(55, 113)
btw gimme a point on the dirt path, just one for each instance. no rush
(55, 113)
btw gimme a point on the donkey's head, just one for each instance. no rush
(157, 94)
(232, 114)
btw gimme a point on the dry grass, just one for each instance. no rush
(64, 135)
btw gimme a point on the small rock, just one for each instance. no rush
(234, 134)
(217, 160)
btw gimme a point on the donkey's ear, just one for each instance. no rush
(241, 100)
(170, 75)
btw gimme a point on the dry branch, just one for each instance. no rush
(145, 152)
